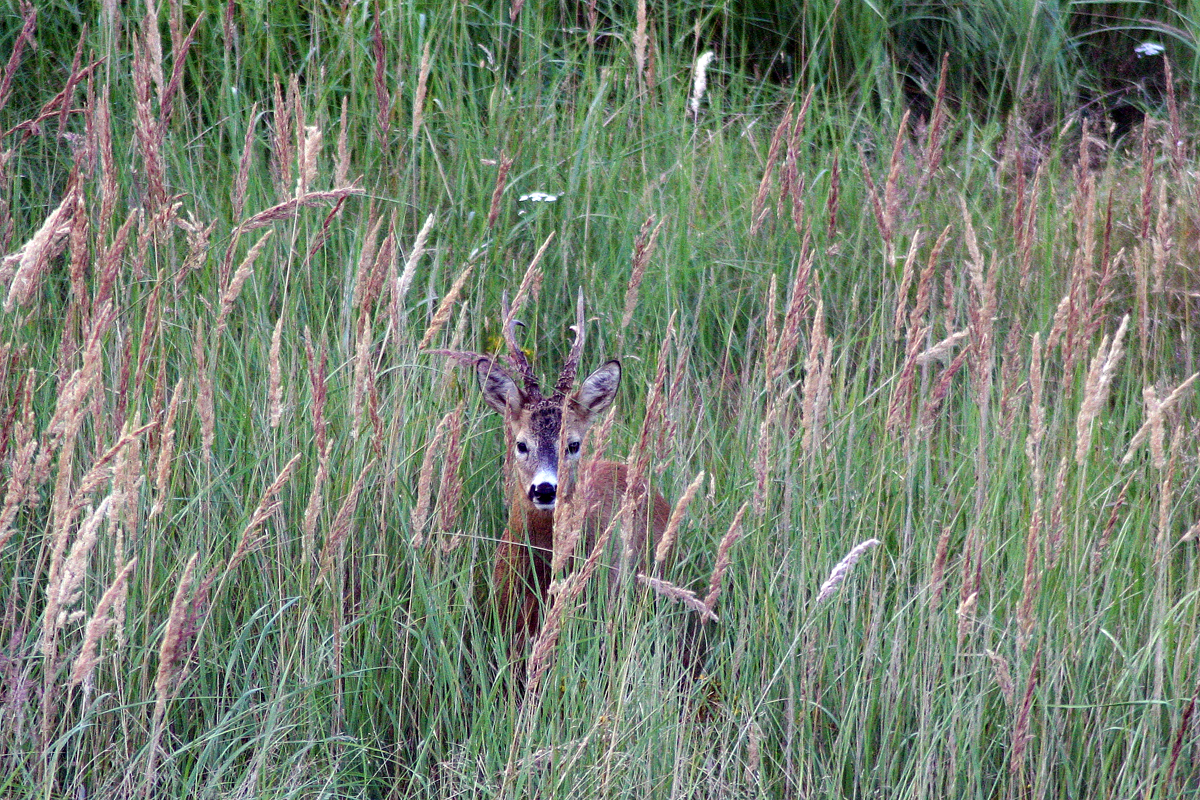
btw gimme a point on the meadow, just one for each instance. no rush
(920, 380)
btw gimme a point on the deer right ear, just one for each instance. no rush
(499, 390)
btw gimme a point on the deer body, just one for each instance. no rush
(551, 494)
(545, 474)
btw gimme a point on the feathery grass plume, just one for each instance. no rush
(637, 479)
(1003, 676)
(941, 388)
(679, 594)
(362, 374)
(771, 337)
(25, 37)
(315, 504)
(758, 210)
(1054, 528)
(906, 276)
(19, 489)
(383, 100)
(1147, 159)
(28, 264)
(103, 620)
(166, 452)
(1011, 385)
(816, 368)
(1160, 243)
(229, 294)
(900, 407)
(366, 260)
(1032, 579)
(498, 190)
(789, 334)
(180, 45)
(891, 193)
(275, 377)
(933, 132)
(418, 117)
(282, 136)
(446, 307)
(762, 460)
(832, 200)
(842, 569)
(723, 561)
(268, 504)
(310, 151)
(1037, 414)
(1176, 140)
(433, 450)
(403, 281)
(170, 667)
(1021, 734)
(147, 69)
(643, 248)
(340, 528)
(672, 530)
(568, 518)
(1152, 428)
(1099, 380)
(876, 201)
(450, 488)
(205, 407)
(938, 573)
(699, 79)
(968, 591)
(640, 40)
(940, 352)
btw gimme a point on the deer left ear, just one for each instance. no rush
(599, 389)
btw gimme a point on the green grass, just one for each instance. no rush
(328, 655)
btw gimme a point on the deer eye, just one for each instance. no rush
(522, 448)
(573, 448)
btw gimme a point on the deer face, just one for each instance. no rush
(535, 426)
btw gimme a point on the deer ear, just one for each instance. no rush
(499, 390)
(599, 389)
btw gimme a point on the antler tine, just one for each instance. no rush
(567, 376)
(516, 354)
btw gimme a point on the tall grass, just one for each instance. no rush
(247, 522)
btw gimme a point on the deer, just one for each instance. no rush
(548, 481)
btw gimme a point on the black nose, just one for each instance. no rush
(542, 493)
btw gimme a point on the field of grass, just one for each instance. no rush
(247, 518)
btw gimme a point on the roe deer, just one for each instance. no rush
(544, 475)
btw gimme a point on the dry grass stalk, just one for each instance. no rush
(940, 390)
(1147, 154)
(1109, 527)
(147, 131)
(530, 288)
(1054, 528)
(1152, 428)
(205, 404)
(832, 204)
(27, 265)
(288, 208)
(317, 377)
(341, 170)
(906, 277)
(383, 100)
(723, 560)
(433, 450)
(19, 490)
(404, 281)
(640, 40)
(678, 594)
(446, 307)
(362, 374)
(229, 294)
(940, 352)
(282, 136)
(1037, 413)
(651, 431)
(1166, 495)
(891, 193)
(267, 505)
(366, 261)
(817, 369)
(1176, 141)
(1099, 381)
(938, 573)
(498, 191)
(310, 151)
(450, 490)
(1021, 735)
(672, 530)
(1032, 578)
(422, 88)
(771, 337)
(699, 79)
(1003, 676)
(170, 667)
(937, 122)
(104, 618)
(767, 433)
(315, 505)
(842, 569)
(1011, 385)
(340, 528)
(275, 377)
(25, 37)
(789, 334)
(643, 248)
(758, 210)
(166, 452)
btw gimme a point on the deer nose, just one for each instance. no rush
(542, 494)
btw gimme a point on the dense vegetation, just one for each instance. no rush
(909, 340)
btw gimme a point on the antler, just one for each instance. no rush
(567, 376)
(516, 354)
